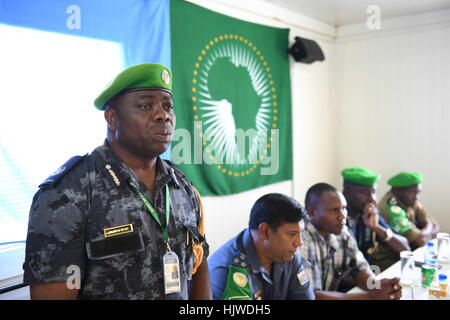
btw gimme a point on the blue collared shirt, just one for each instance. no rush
(284, 284)
(364, 235)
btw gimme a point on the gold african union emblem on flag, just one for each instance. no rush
(224, 131)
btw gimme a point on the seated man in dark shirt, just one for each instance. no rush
(380, 244)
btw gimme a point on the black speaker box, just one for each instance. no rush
(306, 51)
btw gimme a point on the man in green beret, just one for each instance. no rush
(404, 213)
(120, 222)
(379, 244)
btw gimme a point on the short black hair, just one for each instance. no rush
(276, 209)
(316, 192)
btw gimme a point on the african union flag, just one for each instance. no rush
(232, 100)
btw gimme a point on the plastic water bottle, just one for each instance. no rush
(439, 290)
(443, 284)
(430, 266)
(431, 256)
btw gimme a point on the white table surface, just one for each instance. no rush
(417, 293)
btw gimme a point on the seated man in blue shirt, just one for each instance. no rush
(262, 262)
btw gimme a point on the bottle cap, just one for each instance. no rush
(430, 244)
(442, 277)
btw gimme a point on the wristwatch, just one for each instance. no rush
(389, 235)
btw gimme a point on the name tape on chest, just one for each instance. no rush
(115, 231)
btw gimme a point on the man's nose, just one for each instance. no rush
(342, 214)
(298, 241)
(373, 198)
(161, 115)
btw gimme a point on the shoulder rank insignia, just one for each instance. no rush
(393, 201)
(61, 171)
(240, 260)
(113, 175)
(258, 295)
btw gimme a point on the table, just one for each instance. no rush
(415, 293)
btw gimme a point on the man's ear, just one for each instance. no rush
(264, 231)
(111, 117)
(311, 213)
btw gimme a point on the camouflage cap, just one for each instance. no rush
(405, 179)
(146, 76)
(361, 176)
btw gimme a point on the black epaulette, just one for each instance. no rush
(171, 170)
(62, 171)
(173, 167)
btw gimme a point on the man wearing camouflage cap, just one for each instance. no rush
(120, 222)
(380, 245)
(404, 213)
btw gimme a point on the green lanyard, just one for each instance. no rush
(153, 212)
(324, 282)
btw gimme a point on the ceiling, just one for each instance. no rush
(342, 12)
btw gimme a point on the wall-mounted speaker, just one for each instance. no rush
(306, 51)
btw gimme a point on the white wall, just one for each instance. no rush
(392, 95)
(378, 100)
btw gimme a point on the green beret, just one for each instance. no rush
(146, 76)
(361, 176)
(405, 179)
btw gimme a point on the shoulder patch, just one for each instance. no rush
(62, 171)
(398, 219)
(302, 277)
(393, 201)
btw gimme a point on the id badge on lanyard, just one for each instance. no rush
(171, 264)
(171, 267)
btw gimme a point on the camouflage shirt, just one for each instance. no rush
(87, 216)
(406, 221)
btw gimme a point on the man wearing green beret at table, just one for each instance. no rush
(404, 213)
(372, 233)
(120, 222)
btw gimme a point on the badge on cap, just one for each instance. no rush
(240, 279)
(165, 76)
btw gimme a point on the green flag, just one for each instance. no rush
(232, 100)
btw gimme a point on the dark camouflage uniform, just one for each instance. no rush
(73, 207)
